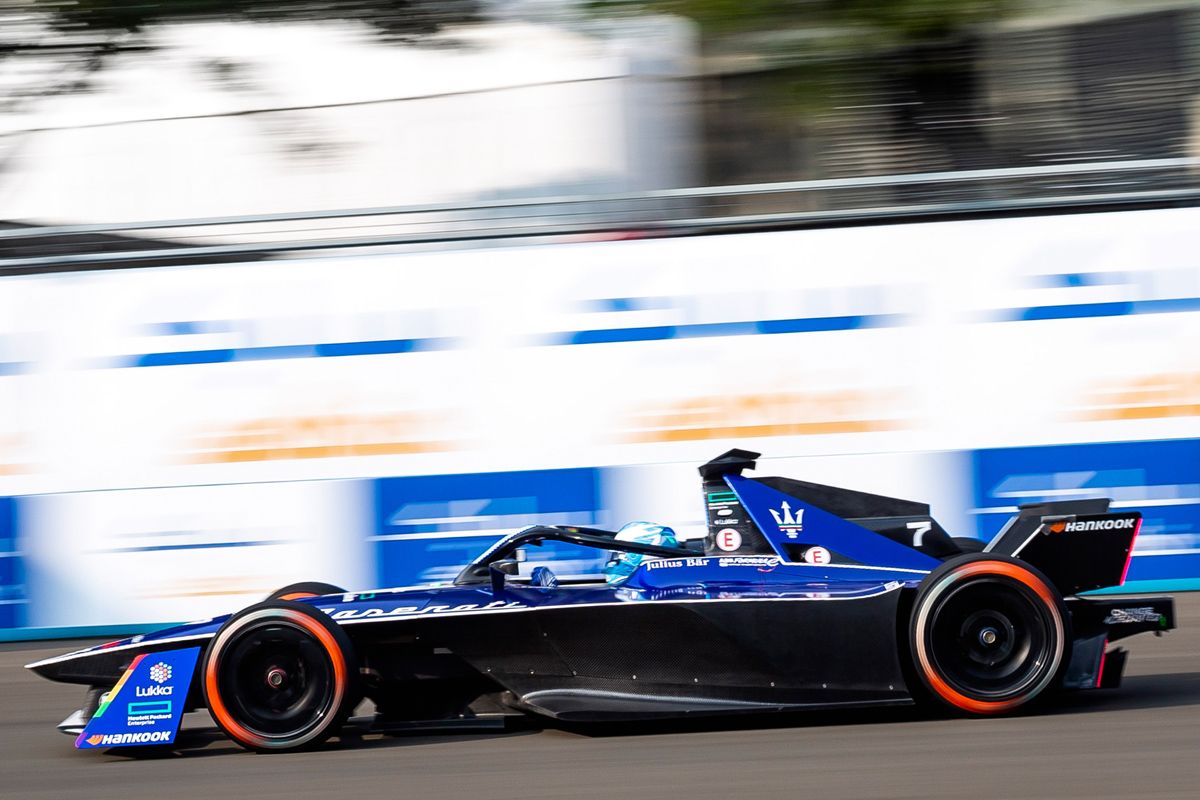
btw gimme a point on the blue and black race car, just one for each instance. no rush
(800, 596)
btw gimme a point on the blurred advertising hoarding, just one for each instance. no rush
(942, 361)
(140, 555)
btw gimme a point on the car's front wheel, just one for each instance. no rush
(988, 633)
(280, 675)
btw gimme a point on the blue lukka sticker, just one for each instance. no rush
(146, 706)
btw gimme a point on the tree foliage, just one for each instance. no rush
(396, 17)
(897, 20)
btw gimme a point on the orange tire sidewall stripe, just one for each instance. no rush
(1004, 569)
(216, 706)
(297, 596)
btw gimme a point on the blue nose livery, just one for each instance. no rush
(147, 704)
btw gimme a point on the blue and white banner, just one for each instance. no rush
(178, 442)
(13, 598)
(427, 528)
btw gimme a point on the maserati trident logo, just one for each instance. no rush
(791, 525)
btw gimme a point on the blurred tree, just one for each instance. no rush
(788, 83)
(53, 47)
(894, 20)
(396, 17)
(917, 20)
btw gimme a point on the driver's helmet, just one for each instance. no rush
(622, 564)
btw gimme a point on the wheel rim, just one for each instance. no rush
(992, 639)
(278, 682)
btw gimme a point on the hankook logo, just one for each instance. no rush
(145, 737)
(1099, 525)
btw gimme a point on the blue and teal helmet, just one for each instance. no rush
(622, 564)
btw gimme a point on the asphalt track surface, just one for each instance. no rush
(1140, 741)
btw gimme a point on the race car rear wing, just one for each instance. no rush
(1077, 543)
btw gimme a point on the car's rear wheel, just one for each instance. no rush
(298, 591)
(280, 675)
(988, 633)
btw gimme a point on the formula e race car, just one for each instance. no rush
(800, 596)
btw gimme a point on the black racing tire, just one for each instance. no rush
(968, 545)
(280, 676)
(297, 591)
(988, 634)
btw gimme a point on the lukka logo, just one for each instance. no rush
(160, 672)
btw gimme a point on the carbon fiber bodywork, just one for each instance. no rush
(654, 658)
